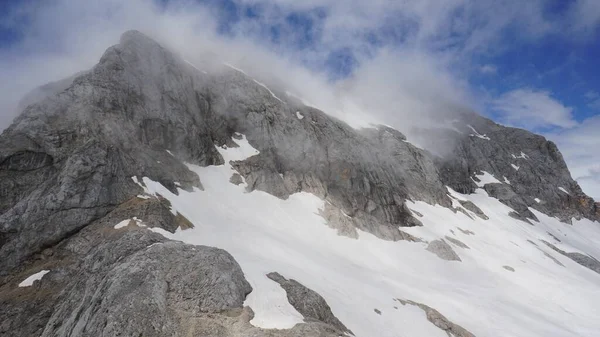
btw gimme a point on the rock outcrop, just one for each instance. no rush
(439, 320)
(526, 165)
(308, 303)
(443, 250)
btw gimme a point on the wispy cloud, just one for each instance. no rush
(580, 148)
(593, 100)
(584, 16)
(488, 69)
(533, 109)
(62, 37)
(402, 63)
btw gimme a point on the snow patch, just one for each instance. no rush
(234, 68)
(515, 167)
(269, 90)
(520, 156)
(193, 66)
(126, 222)
(537, 200)
(299, 115)
(485, 178)
(506, 180)
(563, 189)
(122, 224)
(477, 134)
(28, 282)
(305, 102)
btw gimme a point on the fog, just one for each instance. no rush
(400, 85)
(410, 60)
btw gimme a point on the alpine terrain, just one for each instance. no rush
(149, 196)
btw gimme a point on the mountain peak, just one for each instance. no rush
(110, 186)
(137, 39)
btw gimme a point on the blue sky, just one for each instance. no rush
(531, 64)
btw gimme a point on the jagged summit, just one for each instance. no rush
(99, 173)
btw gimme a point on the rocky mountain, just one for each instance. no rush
(152, 197)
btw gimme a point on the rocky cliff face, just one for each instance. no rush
(530, 170)
(67, 162)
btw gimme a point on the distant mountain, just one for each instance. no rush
(150, 196)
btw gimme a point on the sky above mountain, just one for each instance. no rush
(530, 64)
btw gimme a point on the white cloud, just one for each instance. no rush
(593, 99)
(488, 69)
(415, 71)
(407, 89)
(591, 95)
(595, 104)
(533, 109)
(64, 37)
(584, 16)
(579, 147)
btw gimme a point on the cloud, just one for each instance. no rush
(593, 99)
(580, 146)
(533, 109)
(63, 37)
(584, 17)
(402, 63)
(488, 69)
(591, 95)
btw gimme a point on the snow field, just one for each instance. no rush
(356, 276)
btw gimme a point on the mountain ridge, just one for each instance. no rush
(67, 164)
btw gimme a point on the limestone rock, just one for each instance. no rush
(307, 302)
(442, 250)
(440, 321)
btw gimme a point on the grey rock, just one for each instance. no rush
(308, 303)
(138, 295)
(336, 219)
(463, 211)
(236, 179)
(467, 232)
(533, 243)
(541, 168)
(509, 268)
(473, 208)
(518, 216)
(505, 194)
(553, 236)
(377, 311)
(130, 282)
(439, 320)
(443, 250)
(457, 242)
(555, 260)
(47, 90)
(587, 261)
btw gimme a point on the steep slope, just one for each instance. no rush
(531, 171)
(146, 142)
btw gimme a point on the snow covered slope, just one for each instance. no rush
(508, 282)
